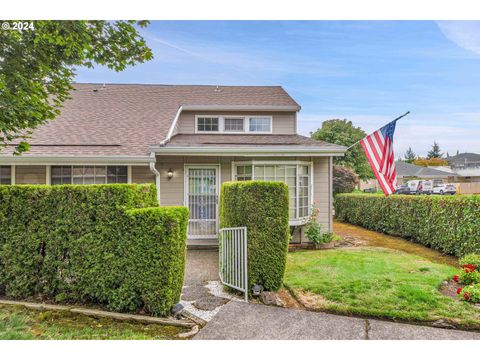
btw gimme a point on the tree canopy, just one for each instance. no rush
(37, 67)
(342, 132)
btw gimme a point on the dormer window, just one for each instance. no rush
(233, 124)
(208, 124)
(260, 124)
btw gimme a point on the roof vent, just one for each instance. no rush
(217, 89)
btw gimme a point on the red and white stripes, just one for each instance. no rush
(379, 150)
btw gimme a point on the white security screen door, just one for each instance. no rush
(201, 197)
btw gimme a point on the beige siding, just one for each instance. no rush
(142, 175)
(321, 190)
(30, 174)
(282, 122)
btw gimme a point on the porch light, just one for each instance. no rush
(170, 173)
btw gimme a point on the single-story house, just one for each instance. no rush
(187, 140)
(407, 171)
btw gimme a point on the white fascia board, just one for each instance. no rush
(75, 160)
(237, 151)
(240, 108)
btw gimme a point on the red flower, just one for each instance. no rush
(466, 295)
(455, 278)
(459, 290)
(467, 270)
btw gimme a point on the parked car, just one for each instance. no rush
(403, 189)
(370, 190)
(420, 186)
(445, 189)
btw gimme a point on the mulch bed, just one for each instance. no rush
(449, 288)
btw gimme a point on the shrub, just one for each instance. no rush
(470, 259)
(79, 243)
(344, 179)
(469, 275)
(470, 293)
(448, 224)
(313, 228)
(263, 208)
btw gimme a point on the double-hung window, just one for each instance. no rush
(297, 176)
(208, 124)
(260, 124)
(231, 124)
(88, 175)
(5, 175)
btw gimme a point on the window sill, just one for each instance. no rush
(298, 222)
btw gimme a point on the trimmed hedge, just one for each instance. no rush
(448, 224)
(86, 244)
(263, 208)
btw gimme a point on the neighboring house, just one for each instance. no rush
(185, 139)
(466, 166)
(407, 171)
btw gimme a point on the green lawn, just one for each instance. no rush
(19, 323)
(376, 282)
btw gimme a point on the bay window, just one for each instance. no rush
(88, 175)
(297, 176)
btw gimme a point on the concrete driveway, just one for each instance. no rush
(241, 321)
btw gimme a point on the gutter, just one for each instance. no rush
(154, 170)
(74, 160)
(277, 151)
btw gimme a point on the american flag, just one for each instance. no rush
(379, 150)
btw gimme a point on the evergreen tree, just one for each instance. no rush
(435, 151)
(409, 155)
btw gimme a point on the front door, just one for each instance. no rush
(201, 198)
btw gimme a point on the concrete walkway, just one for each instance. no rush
(241, 321)
(203, 295)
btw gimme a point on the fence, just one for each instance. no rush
(233, 267)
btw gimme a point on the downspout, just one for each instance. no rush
(154, 170)
(153, 158)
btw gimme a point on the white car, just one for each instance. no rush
(445, 189)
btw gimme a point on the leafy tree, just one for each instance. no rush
(344, 179)
(37, 67)
(409, 156)
(342, 132)
(434, 151)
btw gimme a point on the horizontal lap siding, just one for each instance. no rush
(283, 122)
(172, 191)
(142, 175)
(321, 190)
(30, 174)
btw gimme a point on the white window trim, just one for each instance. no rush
(292, 221)
(246, 124)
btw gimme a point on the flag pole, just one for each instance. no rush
(398, 118)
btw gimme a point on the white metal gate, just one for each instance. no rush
(233, 267)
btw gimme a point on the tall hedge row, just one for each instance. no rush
(85, 244)
(263, 208)
(448, 224)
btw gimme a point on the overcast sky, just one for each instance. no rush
(368, 72)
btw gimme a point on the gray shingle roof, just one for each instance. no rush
(405, 169)
(242, 140)
(125, 120)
